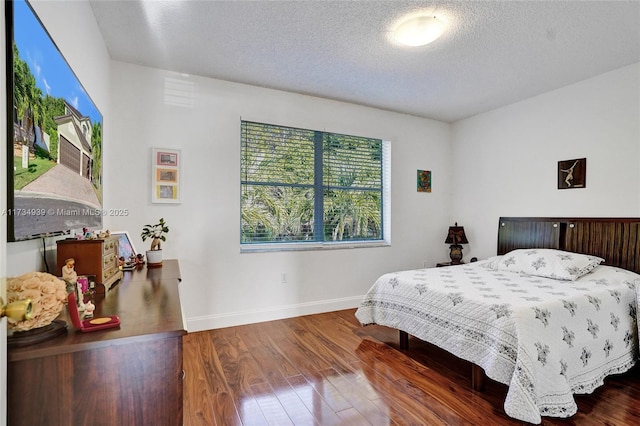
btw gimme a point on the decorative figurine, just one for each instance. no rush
(88, 309)
(140, 259)
(81, 305)
(68, 271)
(70, 276)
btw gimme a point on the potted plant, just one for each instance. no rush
(157, 234)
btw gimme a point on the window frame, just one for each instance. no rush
(316, 244)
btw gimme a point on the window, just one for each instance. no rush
(303, 186)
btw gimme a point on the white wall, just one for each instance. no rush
(84, 49)
(507, 158)
(221, 286)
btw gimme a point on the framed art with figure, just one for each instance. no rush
(572, 174)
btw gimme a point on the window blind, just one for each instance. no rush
(302, 185)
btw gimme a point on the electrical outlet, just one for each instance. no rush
(283, 278)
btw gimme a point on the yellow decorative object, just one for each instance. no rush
(47, 293)
(19, 310)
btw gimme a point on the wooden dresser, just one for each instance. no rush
(93, 257)
(130, 375)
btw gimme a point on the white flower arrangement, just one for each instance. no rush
(48, 295)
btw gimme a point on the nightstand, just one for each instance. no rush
(441, 264)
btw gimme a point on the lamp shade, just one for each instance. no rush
(456, 235)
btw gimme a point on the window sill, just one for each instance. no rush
(261, 248)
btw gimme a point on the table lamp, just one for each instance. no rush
(455, 237)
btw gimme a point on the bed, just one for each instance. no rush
(551, 315)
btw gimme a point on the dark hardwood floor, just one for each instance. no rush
(327, 369)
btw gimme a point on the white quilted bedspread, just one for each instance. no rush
(544, 338)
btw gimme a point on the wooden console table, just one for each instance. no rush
(130, 375)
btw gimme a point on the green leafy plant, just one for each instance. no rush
(156, 233)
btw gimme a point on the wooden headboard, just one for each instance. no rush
(617, 240)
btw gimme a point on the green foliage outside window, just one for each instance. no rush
(302, 185)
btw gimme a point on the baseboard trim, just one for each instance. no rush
(231, 319)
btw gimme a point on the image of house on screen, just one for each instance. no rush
(74, 146)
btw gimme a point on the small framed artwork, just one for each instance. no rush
(125, 244)
(166, 158)
(572, 174)
(165, 175)
(424, 181)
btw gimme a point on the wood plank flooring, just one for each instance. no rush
(327, 369)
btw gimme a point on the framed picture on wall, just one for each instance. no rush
(572, 174)
(165, 175)
(424, 181)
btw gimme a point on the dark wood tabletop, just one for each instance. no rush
(147, 302)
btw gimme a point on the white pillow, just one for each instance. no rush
(549, 263)
(491, 263)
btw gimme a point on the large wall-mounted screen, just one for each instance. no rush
(54, 135)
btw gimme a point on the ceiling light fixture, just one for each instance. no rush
(419, 30)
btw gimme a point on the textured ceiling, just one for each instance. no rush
(493, 53)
